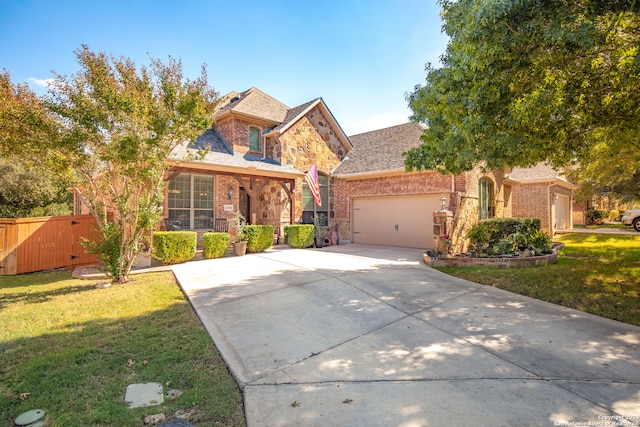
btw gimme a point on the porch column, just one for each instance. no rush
(253, 191)
(289, 187)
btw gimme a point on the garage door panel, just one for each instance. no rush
(395, 221)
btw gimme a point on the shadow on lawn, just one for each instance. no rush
(40, 297)
(79, 376)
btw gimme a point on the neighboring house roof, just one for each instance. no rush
(252, 103)
(380, 151)
(539, 173)
(219, 157)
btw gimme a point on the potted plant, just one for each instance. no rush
(319, 219)
(240, 224)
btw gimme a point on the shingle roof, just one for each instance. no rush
(539, 172)
(381, 150)
(212, 140)
(253, 102)
(219, 154)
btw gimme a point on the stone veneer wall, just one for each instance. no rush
(311, 140)
(467, 209)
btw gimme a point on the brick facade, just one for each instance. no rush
(236, 133)
(538, 201)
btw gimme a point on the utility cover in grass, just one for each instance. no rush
(140, 395)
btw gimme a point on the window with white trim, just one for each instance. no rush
(254, 139)
(190, 201)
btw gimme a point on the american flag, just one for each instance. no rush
(311, 178)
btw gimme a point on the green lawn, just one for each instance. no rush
(598, 274)
(72, 349)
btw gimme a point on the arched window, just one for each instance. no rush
(254, 139)
(486, 203)
(308, 203)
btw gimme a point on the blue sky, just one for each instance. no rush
(360, 56)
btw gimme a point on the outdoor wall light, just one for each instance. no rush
(230, 193)
(443, 202)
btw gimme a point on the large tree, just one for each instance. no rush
(524, 81)
(114, 126)
(26, 191)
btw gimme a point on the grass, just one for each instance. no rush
(606, 225)
(72, 349)
(598, 274)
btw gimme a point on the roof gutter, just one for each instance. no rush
(558, 181)
(371, 174)
(240, 170)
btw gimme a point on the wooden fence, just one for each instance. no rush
(36, 244)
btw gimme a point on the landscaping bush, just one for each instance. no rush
(215, 245)
(595, 216)
(259, 237)
(299, 235)
(614, 214)
(172, 247)
(500, 236)
(540, 242)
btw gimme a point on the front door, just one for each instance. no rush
(244, 205)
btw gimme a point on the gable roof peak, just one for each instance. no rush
(252, 103)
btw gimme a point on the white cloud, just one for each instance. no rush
(41, 82)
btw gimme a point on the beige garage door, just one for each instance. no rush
(395, 221)
(563, 212)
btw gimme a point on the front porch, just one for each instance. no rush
(208, 200)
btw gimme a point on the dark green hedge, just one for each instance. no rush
(259, 237)
(299, 235)
(215, 245)
(173, 247)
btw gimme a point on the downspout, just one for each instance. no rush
(549, 203)
(264, 147)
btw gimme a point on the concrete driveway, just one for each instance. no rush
(360, 335)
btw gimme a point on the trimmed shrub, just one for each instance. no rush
(614, 214)
(495, 229)
(499, 236)
(259, 237)
(215, 245)
(173, 247)
(299, 235)
(595, 216)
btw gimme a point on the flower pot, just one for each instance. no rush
(240, 248)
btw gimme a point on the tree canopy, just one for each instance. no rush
(108, 130)
(528, 81)
(27, 191)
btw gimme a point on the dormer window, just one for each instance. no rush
(254, 139)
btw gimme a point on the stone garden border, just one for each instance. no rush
(497, 262)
